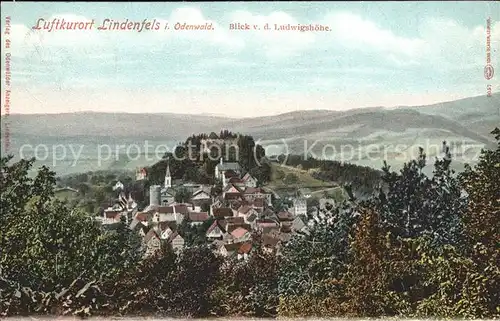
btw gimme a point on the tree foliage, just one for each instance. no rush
(416, 205)
(422, 247)
(46, 244)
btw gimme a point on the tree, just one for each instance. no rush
(382, 278)
(481, 184)
(182, 195)
(416, 205)
(281, 204)
(312, 202)
(83, 189)
(365, 275)
(310, 260)
(205, 207)
(63, 243)
(262, 173)
(100, 195)
(194, 235)
(190, 283)
(17, 188)
(482, 224)
(249, 287)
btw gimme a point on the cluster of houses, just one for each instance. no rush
(230, 218)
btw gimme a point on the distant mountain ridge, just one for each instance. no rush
(464, 122)
(454, 116)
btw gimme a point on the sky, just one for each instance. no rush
(375, 54)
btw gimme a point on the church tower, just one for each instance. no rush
(168, 177)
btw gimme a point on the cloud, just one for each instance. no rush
(453, 46)
(355, 32)
(23, 40)
(441, 43)
(441, 46)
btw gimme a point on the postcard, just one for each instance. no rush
(250, 159)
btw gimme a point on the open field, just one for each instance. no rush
(304, 178)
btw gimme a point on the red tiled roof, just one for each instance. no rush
(223, 212)
(112, 214)
(268, 212)
(143, 217)
(231, 227)
(172, 237)
(229, 186)
(232, 246)
(165, 210)
(270, 229)
(235, 180)
(245, 248)
(267, 223)
(250, 190)
(198, 217)
(233, 196)
(182, 209)
(239, 232)
(222, 223)
(235, 220)
(254, 190)
(162, 226)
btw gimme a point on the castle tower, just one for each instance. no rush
(168, 177)
(154, 195)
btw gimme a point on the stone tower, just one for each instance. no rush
(154, 195)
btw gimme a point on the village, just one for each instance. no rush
(240, 210)
(228, 218)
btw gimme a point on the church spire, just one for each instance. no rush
(168, 177)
